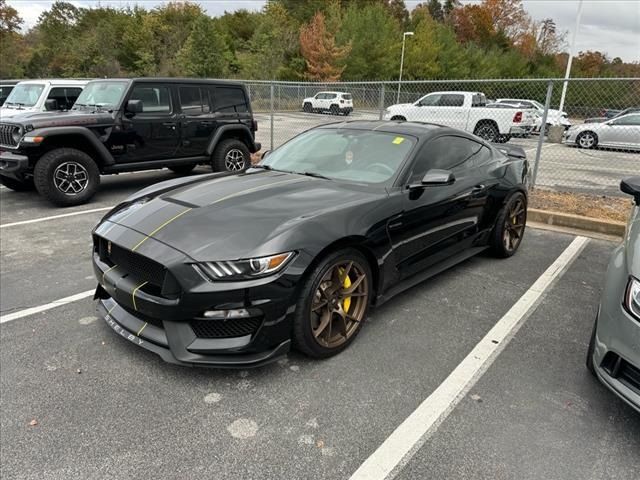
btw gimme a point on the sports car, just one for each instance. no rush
(234, 270)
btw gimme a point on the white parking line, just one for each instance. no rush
(43, 308)
(387, 461)
(63, 215)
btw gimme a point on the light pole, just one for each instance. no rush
(572, 52)
(404, 37)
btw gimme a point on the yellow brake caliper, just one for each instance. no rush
(346, 303)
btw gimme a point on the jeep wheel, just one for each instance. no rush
(231, 155)
(66, 176)
(183, 169)
(307, 107)
(334, 109)
(17, 185)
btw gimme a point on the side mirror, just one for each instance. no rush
(264, 154)
(435, 177)
(631, 186)
(134, 106)
(51, 105)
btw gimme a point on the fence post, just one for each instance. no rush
(271, 117)
(543, 128)
(381, 102)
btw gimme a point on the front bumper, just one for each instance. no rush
(616, 355)
(172, 325)
(13, 165)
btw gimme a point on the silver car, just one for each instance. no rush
(621, 132)
(614, 350)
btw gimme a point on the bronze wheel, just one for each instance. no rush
(339, 304)
(510, 225)
(333, 304)
(514, 225)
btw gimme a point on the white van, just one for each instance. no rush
(41, 96)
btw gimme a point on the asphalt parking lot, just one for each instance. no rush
(561, 167)
(104, 409)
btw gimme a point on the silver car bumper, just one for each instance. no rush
(616, 356)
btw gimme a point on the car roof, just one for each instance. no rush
(332, 91)
(422, 130)
(56, 81)
(8, 82)
(174, 80)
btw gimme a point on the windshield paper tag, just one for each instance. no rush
(398, 140)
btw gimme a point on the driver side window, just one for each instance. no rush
(447, 153)
(628, 120)
(430, 100)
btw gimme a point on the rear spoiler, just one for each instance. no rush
(511, 150)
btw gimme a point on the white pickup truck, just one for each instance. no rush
(466, 111)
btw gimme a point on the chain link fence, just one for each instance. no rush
(587, 145)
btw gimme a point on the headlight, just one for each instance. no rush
(17, 134)
(242, 269)
(632, 298)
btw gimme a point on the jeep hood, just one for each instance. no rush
(252, 214)
(60, 119)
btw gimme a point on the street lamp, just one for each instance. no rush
(572, 52)
(404, 37)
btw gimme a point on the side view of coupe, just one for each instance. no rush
(234, 270)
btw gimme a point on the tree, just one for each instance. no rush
(435, 10)
(319, 49)
(12, 47)
(204, 53)
(398, 10)
(10, 21)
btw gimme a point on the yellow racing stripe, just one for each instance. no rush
(140, 331)
(133, 294)
(160, 228)
(107, 271)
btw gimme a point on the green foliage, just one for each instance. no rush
(487, 39)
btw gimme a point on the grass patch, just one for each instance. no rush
(593, 206)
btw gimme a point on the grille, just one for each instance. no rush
(139, 266)
(156, 322)
(630, 375)
(225, 328)
(6, 135)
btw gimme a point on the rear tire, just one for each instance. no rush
(334, 110)
(66, 177)
(509, 229)
(487, 131)
(592, 347)
(398, 118)
(231, 155)
(323, 293)
(183, 169)
(307, 107)
(17, 185)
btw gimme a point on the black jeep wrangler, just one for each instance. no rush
(124, 125)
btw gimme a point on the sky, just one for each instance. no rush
(611, 26)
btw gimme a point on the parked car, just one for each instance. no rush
(619, 114)
(620, 132)
(554, 117)
(124, 125)
(41, 96)
(613, 354)
(5, 89)
(235, 270)
(337, 103)
(466, 111)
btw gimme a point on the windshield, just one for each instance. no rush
(24, 95)
(101, 94)
(360, 156)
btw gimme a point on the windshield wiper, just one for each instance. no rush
(315, 175)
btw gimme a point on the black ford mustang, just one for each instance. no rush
(234, 270)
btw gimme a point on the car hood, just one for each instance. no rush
(400, 105)
(60, 119)
(586, 126)
(252, 214)
(633, 243)
(6, 112)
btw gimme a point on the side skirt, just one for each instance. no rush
(153, 164)
(428, 273)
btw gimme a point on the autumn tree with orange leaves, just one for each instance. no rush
(320, 52)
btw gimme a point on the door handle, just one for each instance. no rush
(479, 188)
(171, 125)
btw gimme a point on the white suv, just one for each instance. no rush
(335, 102)
(42, 96)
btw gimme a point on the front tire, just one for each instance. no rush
(587, 140)
(17, 185)
(66, 177)
(398, 118)
(510, 226)
(231, 155)
(333, 304)
(307, 108)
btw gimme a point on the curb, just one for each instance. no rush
(606, 227)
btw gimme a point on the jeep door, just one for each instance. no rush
(231, 106)
(197, 119)
(152, 134)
